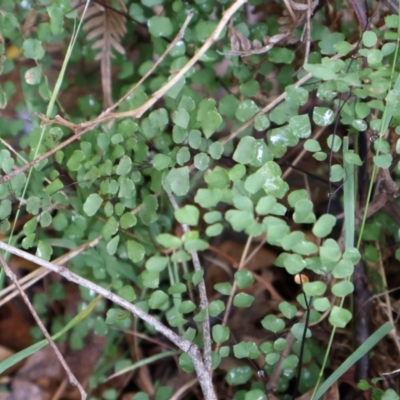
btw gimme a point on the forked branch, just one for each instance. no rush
(203, 373)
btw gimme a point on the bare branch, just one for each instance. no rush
(203, 373)
(41, 272)
(184, 345)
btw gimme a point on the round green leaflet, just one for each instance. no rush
(33, 75)
(316, 288)
(246, 110)
(290, 362)
(112, 245)
(294, 263)
(160, 26)
(187, 306)
(383, 160)
(244, 278)
(156, 263)
(312, 145)
(321, 304)
(339, 317)
(334, 142)
(256, 394)
(245, 150)
(211, 123)
(216, 307)
(324, 225)
(169, 241)
(261, 123)
(296, 95)
(280, 344)
(273, 323)
(212, 217)
(178, 180)
(287, 309)
(298, 331)
(109, 228)
(136, 251)
(330, 252)
(5, 208)
(239, 375)
(33, 49)
(181, 118)
(92, 204)
(220, 333)
(292, 239)
(249, 88)
(272, 358)
(157, 299)
(44, 250)
(300, 126)
(243, 300)
(305, 247)
(150, 279)
(187, 214)
(185, 363)
(224, 288)
(343, 288)
(183, 156)
(32, 205)
(195, 139)
(246, 349)
(127, 292)
(6, 161)
(214, 230)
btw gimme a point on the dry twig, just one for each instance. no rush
(138, 112)
(41, 272)
(309, 8)
(269, 106)
(177, 38)
(234, 286)
(80, 129)
(86, 127)
(203, 373)
(202, 295)
(68, 371)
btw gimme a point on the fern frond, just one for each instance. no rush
(106, 26)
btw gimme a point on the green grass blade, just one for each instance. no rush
(386, 118)
(146, 361)
(49, 110)
(17, 357)
(349, 200)
(351, 360)
(61, 75)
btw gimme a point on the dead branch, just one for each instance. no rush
(46, 334)
(192, 350)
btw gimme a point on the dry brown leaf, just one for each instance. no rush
(106, 26)
(22, 389)
(242, 46)
(331, 394)
(15, 326)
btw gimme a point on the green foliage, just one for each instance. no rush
(377, 393)
(125, 172)
(238, 375)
